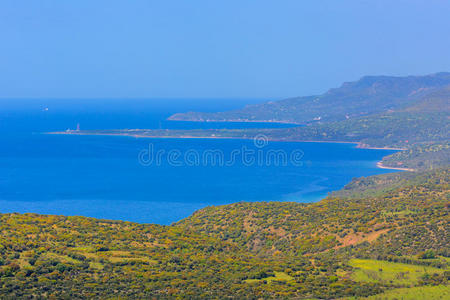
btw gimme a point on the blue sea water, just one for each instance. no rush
(105, 177)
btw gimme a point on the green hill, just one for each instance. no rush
(398, 129)
(425, 156)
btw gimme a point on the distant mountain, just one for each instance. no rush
(426, 120)
(369, 95)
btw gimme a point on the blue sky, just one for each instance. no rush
(239, 49)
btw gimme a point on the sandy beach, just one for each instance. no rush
(381, 166)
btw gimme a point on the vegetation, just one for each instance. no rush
(421, 157)
(399, 129)
(280, 276)
(369, 270)
(379, 185)
(338, 247)
(437, 292)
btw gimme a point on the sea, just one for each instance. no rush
(156, 180)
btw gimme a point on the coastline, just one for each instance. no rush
(381, 166)
(359, 145)
(237, 121)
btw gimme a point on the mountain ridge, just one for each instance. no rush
(369, 95)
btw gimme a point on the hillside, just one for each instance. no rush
(369, 95)
(299, 229)
(397, 129)
(334, 248)
(425, 156)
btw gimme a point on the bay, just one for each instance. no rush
(105, 177)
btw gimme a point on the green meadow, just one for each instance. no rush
(280, 276)
(422, 292)
(370, 270)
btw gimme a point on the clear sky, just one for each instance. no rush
(207, 48)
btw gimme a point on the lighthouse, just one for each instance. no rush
(78, 126)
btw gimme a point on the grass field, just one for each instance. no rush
(415, 293)
(368, 270)
(278, 276)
